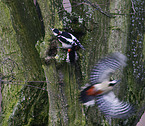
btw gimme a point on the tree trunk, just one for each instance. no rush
(30, 108)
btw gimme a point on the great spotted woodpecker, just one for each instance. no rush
(67, 39)
(69, 42)
(100, 90)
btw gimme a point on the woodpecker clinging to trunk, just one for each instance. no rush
(100, 90)
(67, 39)
(69, 42)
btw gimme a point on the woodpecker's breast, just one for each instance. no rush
(66, 45)
(104, 87)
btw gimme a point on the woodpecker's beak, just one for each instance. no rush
(51, 29)
(117, 81)
(114, 82)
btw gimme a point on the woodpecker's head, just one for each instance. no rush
(56, 32)
(113, 83)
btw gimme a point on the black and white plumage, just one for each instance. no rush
(100, 90)
(110, 105)
(72, 55)
(67, 39)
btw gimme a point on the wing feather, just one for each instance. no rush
(106, 66)
(111, 106)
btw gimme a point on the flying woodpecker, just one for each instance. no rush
(100, 91)
(67, 39)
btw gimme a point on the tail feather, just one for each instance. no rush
(79, 44)
(82, 47)
(72, 56)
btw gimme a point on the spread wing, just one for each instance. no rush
(102, 70)
(111, 106)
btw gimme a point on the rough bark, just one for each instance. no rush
(27, 26)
